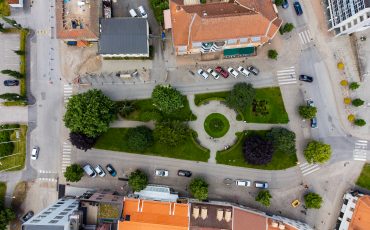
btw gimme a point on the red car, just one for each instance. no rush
(221, 71)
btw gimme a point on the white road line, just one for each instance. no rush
(307, 168)
(362, 141)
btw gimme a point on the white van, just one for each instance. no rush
(89, 170)
(35, 153)
(142, 12)
(133, 13)
(244, 183)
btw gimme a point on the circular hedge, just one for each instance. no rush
(216, 125)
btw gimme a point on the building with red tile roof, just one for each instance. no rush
(15, 3)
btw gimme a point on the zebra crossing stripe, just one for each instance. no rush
(307, 168)
(362, 141)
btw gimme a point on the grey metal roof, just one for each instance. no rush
(124, 36)
(42, 227)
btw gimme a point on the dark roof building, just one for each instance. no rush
(124, 37)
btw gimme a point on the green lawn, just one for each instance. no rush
(114, 139)
(364, 179)
(234, 155)
(216, 125)
(17, 159)
(23, 40)
(200, 99)
(146, 111)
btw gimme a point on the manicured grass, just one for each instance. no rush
(203, 98)
(22, 69)
(2, 192)
(216, 125)
(114, 139)
(146, 111)
(16, 161)
(234, 155)
(364, 179)
(14, 103)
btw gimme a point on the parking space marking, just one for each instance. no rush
(286, 76)
(360, 150)
(307, 168)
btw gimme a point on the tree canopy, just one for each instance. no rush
(313, 200)
(272, 54)
(6, 215)
(257, 150)
(74, 173)
(167, 99)
(139, 138)
(138, 180)
(283, 140)
(357, 102)
(172, 133)
(278, 2)
(359, 122)
(81, 141)
(89, 113)
(199, 188)
(353, 86)
(307, 112)
(317, 152)
(241, 96)
(264, 197)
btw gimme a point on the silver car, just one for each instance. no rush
(213, 73)
(100, 171)
(233, 72)
(161, 172)
(202, 73)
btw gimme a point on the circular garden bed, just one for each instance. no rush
(216, 125)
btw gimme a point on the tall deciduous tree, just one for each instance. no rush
(199, 188)
(89, 113)
(241, 96)
(283, 140)
(138, 180)
(81, 141)
(167, 99)
(74, 173)
(313, 200)
(264, 197)
(272, 54)
(171, 133)
(12, 97)
(307, 112)
(139, 138)
(257, 150)
(6, 215)
(317, 152)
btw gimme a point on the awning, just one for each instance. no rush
(167, 19)
(239, 52)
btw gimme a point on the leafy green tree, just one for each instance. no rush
(172, 133)
(264, 197)
(257, 150)
(12, 97)
(12, 22)
(272, 54)
(307, 112)
(12, 73)
(354, 86)
(283, 140)
(167, 99)
(20, 52)
(199, 188)
(137, 180)
(241, 96)
(4, 8)
(6, 215)
(288, 27)
(74, 173)
(81, 141)
(357, 102)
(317, 152)
(89, 113)
(313, 200)
(278, 2)
(125, 108)
(139, 138)
(360, 122)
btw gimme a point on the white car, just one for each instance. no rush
(35, 153)
(243, 71)
(213, 73)
(161, 172)
(244, 183)
(202, 73)
(233, 72)
(142, 12)
(133, 13)
(100, 171)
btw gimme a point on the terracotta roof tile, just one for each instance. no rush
(244, 218)
(13, 1)
(361, 215)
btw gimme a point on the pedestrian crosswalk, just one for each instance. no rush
(307, 168)
(66, 156)
(360, 150)
(286, 76)
(67, 92)
(305, 37)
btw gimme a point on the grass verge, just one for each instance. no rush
(22, 69)
(115, 139)
(234, 155)
(2, 193)
(364, 179)
(14, 103)
(201, 99)
(16, 161)
(216, 125)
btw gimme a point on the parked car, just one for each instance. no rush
(161, 172)
(133, 13)
(221, 71)
(244, 183)
(35, 153)
(142, 12)
(243, 71)
(310, 103)
(89, 170)
(11, 82)
(285, 4)
(111, 170)
(202, 73)
(305, 78)
(213, 73)
(253, 70)
(259, 184)
(27, 216)
(298, 8)
(233, 72)
(314, 123)
(184, 173)
(100, 171)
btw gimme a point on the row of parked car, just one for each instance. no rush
(296, 5)
(141, 11)
(247, 183)
(98, 170)
(219, 71)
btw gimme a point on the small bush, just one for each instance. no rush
(354, 86)
(360, 122)
(139, 138)
(343, 82)
(272, 54)
(357, 102)
(125, 108)
(351, 118)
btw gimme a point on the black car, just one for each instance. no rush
(314, 123)
(184, 173)
(253, 69)
(111, 170)
(11, 82)
(298, 8)
(27, 216)
(305, 78)
(285, 4)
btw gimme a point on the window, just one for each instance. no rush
(368, 14)
(35, 221)
(46, 213)
(349, 25)
(53, 221)
(355, 22)
(63, 213)
(197, 44)
(231, 41)
(361, 18)
(58, 217)
(256, 39)
(56, 206)
(244, 40)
